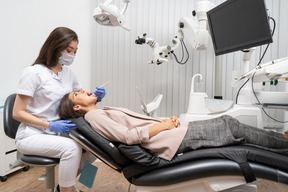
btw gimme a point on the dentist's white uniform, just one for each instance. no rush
(46, 90)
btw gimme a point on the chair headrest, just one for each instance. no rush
(10, 124)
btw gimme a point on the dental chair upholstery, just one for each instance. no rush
(10, 128)
(144, 169)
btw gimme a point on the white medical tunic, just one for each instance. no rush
(46, 90)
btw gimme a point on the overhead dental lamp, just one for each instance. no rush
(109, 15)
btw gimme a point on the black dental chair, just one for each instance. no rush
(10, 127)
(238, 168)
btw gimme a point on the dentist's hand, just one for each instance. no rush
(61, 126)
(100, 93)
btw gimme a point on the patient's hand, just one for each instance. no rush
(166, 124)
(173, 121)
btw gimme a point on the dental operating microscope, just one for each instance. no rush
(195, 32)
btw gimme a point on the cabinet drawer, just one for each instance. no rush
(9, 144)
(10, 158)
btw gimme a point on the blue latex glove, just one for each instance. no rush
(61, 126)
(100, 93)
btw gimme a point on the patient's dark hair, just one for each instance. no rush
(66, 109)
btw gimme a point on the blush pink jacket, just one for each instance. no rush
(125, 126)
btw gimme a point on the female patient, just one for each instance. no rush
(167, 137)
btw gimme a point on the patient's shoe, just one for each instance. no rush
(57, 189)
(74, 189)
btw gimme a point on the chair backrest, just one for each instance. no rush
(10, 124)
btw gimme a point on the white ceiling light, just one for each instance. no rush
(109, 15)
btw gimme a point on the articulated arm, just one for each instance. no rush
(160, 53)
(195, 32)
(270, 71)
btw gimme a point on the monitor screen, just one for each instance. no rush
(239, 24)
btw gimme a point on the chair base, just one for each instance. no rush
(208, 184)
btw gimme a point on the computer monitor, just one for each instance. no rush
(239, 24)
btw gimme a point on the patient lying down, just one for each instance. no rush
(167, 137)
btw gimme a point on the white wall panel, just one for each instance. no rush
(25, 25)
(117, 57)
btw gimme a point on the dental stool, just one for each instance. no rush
(10, 128)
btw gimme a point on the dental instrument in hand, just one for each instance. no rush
(100, 91)
(104, 84)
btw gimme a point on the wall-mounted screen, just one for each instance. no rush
(239, 24)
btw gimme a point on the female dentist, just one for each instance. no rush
(41, 88)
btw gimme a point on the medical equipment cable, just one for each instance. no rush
(182, 51)
(254, 75)
(260, 60)
(238, 92)
(181, 62)
(252, 83)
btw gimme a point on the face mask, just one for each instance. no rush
(66, 59)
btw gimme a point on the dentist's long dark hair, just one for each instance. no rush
(57, 41)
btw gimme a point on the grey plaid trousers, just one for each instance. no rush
(226, 130)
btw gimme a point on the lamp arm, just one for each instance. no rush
(107, 2)
(125, 7)
(108, 10)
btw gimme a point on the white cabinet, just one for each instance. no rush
(8, 152)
